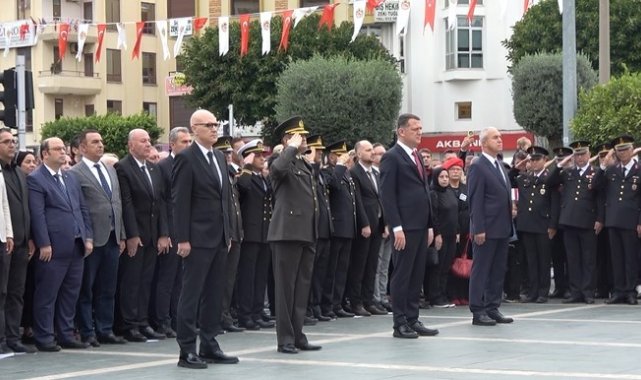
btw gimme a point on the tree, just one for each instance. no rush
(537, 91)
(249, 82)
(113, 128)
(610, 110)
(342, 98)
(540, 30)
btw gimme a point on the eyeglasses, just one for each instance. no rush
(8, 141)
(208, 125)
(58, 148)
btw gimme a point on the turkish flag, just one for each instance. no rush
(102, 28)
(287, 24)
(140, 25)
(371, 4)
(430, 13)
(244, 34)
(328, 16)
(63, 34)
(199, 22)
(470, 12)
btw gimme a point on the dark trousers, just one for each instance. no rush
(252, 280)
(513, 276)
(604, 282)
(336, 278)
(5, 261)
(488, 274)
(321, 262)
(98, 291)
(407, 277)
(580, 246)
(537, 253)
(624, 250)
(165, 289)
(15, 275)
(57, 285)
(230, 282)
(136, 274)
(439, 274)
(560, 264)
(361, 276)
(200, 303)
(29, 289)
(293, 266)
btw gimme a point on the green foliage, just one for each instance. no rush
(540, 30)
(341, 98)
(250, 82)
(537, 90)
(113, 128)
(610, 110)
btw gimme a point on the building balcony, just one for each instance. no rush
(50, 35)
(69, 83)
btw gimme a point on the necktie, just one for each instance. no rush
(60, 184)
(214, 166)
(417, 161)
(103, 181)
(144, 171)
(498, 168)
(371, 178)
(624, 171)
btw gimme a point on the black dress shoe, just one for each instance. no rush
(613, 300)
(310, 321)
(573, 300)
(483, 320)
(288, 349)
(233, 328)
(265, 324)
(631, 300)
(589, 300)
(528, 300)
(360, 311)
(498, 317)
(267, 318)
(92, 341)
(541, 300)
(249, 325)
(421, 330)
(405, 332)
(340, 313)
(387, 306)
(74, 345)
(149, 333)
(18, 347)
(50, 347)
(134, 335)
(322, 318)
(192, 361)
(112, 339)
(308, 347)
(218, 357)
(330, 314)
(166, 331)
(372, 309)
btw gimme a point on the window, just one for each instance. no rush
(56, 65)
(180, 8)
(90, 110)
(313, 3)
(58, 108)
(467, 2)
(149, 68)
(57, 9)
(464, 44)
(87, 11)
(114, 71)
(148, 13)
(245, 6)
(112, 13)
(114, 106)
(150, 109)
(88, 59)
(463, 110)
(179, 111)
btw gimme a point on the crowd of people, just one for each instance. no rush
(223, 235)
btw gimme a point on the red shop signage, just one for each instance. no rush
(440, 142)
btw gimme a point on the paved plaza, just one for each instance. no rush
(551, 341)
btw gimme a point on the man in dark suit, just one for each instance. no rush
(491, 226)
(14, 266)
(167, 279)
(581, 217)
(146, 226)
(364, 262)
(408, 214)
(292, 234)
(201, 191)
(101, 191)
(61, 228)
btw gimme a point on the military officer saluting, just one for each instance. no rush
(537, 224)
(620, 178)
(581, 218)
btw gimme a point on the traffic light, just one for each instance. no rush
(8, 97)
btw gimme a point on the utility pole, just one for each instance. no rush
(569, 67)
(604, 41)
(22, 112)
(231, 120)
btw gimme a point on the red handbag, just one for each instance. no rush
(462, 266)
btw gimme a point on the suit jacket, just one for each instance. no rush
(370, 198)
(201, 202)
(256, 206)
(57, 219)
(143, 208)
(105, 212)
(345, 202)
(166, 166)
(295, 216)
(622, 196)
(325, 224)
(490, 200)
(405, 195)
(579, 199)
(538, 205)
(236, 216)
(18, 196)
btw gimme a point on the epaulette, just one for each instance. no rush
(246, 171)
